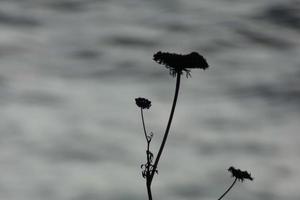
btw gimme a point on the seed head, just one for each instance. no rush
(240, 175)
(177, 63)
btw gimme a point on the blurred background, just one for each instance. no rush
(69, 73)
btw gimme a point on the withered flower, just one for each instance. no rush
(143, 103)
(177, 63)
(239, 174)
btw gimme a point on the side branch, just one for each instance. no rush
(144, 127)
(148, 165)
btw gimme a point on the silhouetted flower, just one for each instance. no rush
(177, 63)
(240, 175)
(143, 103)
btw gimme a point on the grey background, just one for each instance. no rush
(69, 73)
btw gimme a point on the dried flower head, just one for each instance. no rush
(143, 103)
(177, 63)
(239, 174)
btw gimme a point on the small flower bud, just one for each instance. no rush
(143, 103)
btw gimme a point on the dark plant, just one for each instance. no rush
(238, 175)
(147, 168)
(176, 63)
(143, 103)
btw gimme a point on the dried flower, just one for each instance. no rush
(177, 63)
(240, 175)
(143, 103)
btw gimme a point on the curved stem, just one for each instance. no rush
(228, 189)
(168, 127)
(144, 128)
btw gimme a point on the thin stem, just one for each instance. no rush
(168, 127)
(144, 128)
(228, 189)
(148, 157)
(148, 145)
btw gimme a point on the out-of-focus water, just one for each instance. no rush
(69, 73)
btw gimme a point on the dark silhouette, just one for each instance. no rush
(239, 175)
(147, 168)
(176, 63)
(143, 103)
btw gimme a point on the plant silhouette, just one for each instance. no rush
(176, 64)
(238, 175)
